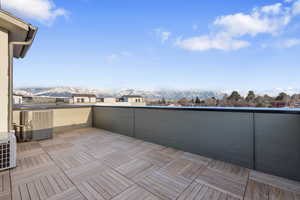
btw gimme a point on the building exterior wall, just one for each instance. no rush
(3, 81)
(134, 99)
(66, 118)
(71, 118)
(109, 100)
(83, 100)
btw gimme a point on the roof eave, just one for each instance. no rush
(30, 36)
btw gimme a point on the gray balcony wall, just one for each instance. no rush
(268, 142)
(118, 120)
(277, 144)
(219, 135)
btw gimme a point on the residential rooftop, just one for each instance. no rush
(93, 163)
(83, 95)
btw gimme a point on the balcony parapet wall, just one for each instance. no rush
(266, 140)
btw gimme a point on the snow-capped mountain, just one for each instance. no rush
(153, 94)
(168, 94)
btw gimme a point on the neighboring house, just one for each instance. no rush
(17, 99)
(127, 100)
(84, 98)
(63, 100)
(133, 99)
(106, 100)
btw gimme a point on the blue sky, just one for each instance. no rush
(113, 44)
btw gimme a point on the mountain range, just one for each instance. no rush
(149, 94)
(168, 94)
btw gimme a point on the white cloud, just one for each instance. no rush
(272, 9)
(230, 29)
(114, 57)
(257, 22)
(162, 35)
(203, 43)
(40, 10)
(296, 8)
(291, 43)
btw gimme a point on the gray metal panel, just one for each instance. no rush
(119, 120)
(277, 148)
(220, 135)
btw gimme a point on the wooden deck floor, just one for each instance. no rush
(99, 165)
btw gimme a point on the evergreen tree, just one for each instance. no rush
(197, 101)
(163, 101)
(281, 96)
(250, 96)
(235, 96)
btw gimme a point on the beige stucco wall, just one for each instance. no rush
(72, 117)
(86, 100)
(66, 118)
(3, 81)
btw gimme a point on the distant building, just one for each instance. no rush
(278, 104)
(84, 98)
(17, 99)
(107, 100)
(127, 100)
(63, 100)
(132, 99)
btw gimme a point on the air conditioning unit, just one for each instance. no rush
(35, 125)
(7, 151)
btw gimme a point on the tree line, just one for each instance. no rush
(235, 99)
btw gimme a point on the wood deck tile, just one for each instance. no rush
(71, 194)
(137, 169)
(279, 194)
(85, 172)
(196, 158)
(237, 173)
(28, 175)
(45, 186)
(5, 185)
(157, 158)
(222, 182)
(72, 159)
(198, 191)
(105, 185)
(30, 148)
(260, 191)
(275, 181)
(135, 193)
(164, 186)
(183, 167)
(95, 164)
(256, 191)
(116, 159)
(50, 142)
(101, 151)
(174, 153)
(58, 148)
(31, 162)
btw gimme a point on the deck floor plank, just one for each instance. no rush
(5, 190)
(94, 164)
